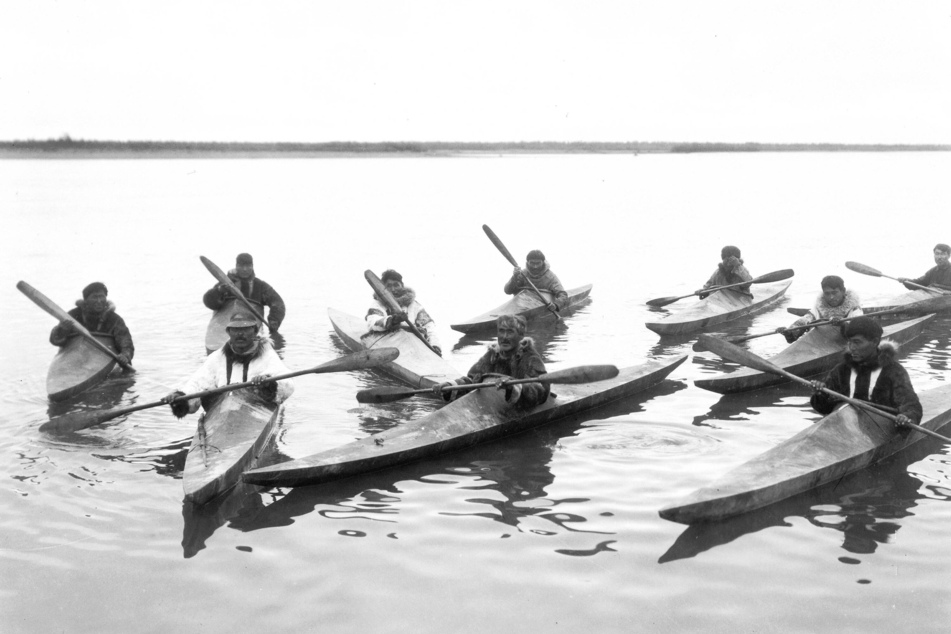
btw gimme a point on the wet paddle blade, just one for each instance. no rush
(863, 269)
(663, 301)
(75, 421)
(384, 394)
(498, 245)
(736, 354)
(362, 360)
(581, 374)
(775, 276)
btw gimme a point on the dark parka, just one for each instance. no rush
(108, 323)
(256, 291)
(544, 281)
(525, 363)
(937, 276)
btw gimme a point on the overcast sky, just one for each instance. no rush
(310, 71)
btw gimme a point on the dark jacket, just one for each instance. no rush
(544, 281)
(525, 363)
(724, 276)
(937, 276)
(256, 291)
(892, 388)
(109, 323)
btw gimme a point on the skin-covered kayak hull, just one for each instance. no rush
(229, 439)
(417, 365)
(217, 334)
(895, 302)
(815, 353)
(78, 366)
(720, 307)
(846, 440)
(474, 418)
(527, 304)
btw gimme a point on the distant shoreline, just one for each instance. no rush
(68, 148)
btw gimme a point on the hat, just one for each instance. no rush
(244, 258)
(942, 247)
(390, 274)
(242, 320)
(832, 281)
(864, 327)
(535, 254)
(729, 250)
(93, 288)
(514, 321)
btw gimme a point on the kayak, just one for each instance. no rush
(846, 440)
(526, 304)
(816, 352)
(889, 304)
(720, 307)
(477, 417)
(229, 439)
(217, 335)
(417, 365)
(78, 366)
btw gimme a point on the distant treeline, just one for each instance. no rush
(68, 146)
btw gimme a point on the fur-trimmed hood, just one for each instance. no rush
(849, 303)
(263, 342)
(726, 270)
(887, 353)
(525, 346)
(404, 297)
(110, 306)
(545, 268)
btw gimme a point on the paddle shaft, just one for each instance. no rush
(864, 269)
(508, 256)
(749, 359)
(384, 293)
(223, 278)
(50, 307)
(775, 276)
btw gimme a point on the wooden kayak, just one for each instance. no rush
(217, 335)
(842, 442)
(477, 417)
(229, 439)
(720, 307)
(816, 352)
(78, 366)
(417, 365)
(526, 304)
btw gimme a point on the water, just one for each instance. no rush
(553, 529)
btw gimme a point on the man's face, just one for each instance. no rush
(245, 271)
(940, 257)
(833, 296)
(534, 265)
(508, 339)
(393, 285)
(862, 349)
(242, 339)
(96, 303)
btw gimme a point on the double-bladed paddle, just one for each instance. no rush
(508, 256)
(223, 278)
(50, 307)
(925, 306)
(736, 354)
(775, 276)
(867, 270)
(387, 298)
(362, 360)
(580, 374)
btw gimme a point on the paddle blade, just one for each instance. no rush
(798, 312)
(75, 421)
(775, 276)
(663, 301)
(730, 352)
(362, 360)
(580, 374)
(926, 306)
(863, 269)
(384, 394)
(498, 245)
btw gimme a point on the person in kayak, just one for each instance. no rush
(97, 315)
(247, 356)
(834, 303)
(513, 356)
(379, 318)
(939, 276)
(254, 289)
(730, 271)
(538, 271)
(870, 372)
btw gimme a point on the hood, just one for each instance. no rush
(887, 352)
(545, 269)
(404, 297)
(527, 344)
(110, 307)
(263, 343)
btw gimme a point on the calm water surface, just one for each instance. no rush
(553, 529)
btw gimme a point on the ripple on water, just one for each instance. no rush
(624, 438)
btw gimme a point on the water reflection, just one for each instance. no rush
(866, 507)
(746, 405)
(106, 395)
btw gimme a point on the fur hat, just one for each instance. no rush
(728, 251)
(832, 281)
(95, 287)
(244, 258)
(514, 321)
(535, 254)
(942, 247)
(390, 274)
(864, 327)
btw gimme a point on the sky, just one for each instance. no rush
(308, 71)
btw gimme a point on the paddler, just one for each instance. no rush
(834, 303)
(247, 356)
(380, 319)
(513, 356)
(730, 271)
(939, 276)
(869, 372)
(98, 315)
(539, 272)
(254, 289)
